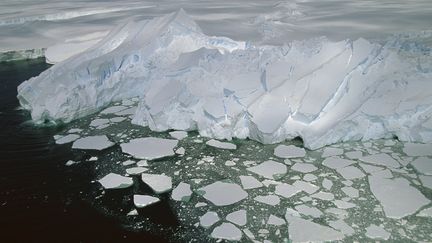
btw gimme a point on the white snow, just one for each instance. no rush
(141, 201)
(149, 148)
(223, 193)
(221, 145)
(187, 80)
(93, 143)
(115, 181)
(158, 183)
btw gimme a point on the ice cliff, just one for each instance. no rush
(322, 91)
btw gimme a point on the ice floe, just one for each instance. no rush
(223, 193)
(93, 143)
(269, 169)
(209, 219)
(115, 181)
(149, 148)
(238, 217)
(227, 231)
(182, 192)
(158, 183)
(290, 151)
(302, 230)
(221, 145)
(377, 232)
(141, 201)
(250, 182)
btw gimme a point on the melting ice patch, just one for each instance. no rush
(322, 91)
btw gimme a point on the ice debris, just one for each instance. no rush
(221, 145)
(141, 201)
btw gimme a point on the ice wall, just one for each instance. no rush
(322, 91)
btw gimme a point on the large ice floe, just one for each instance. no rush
(322, 91)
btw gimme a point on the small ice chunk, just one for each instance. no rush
(329, 151)
(221, 145)
(269, 169)
(141, 201)
(128, 162)
(376, 232)
(93, 158)
(327, 184)
(342, 227)
(113, 109)
(150, 148)
(182, 192)
(133, 212)
(180, 151)
(396, 196)
(136, 170)
(238, 217)
(67, 139)
(427, 212)
(274, 220)
(115, 181)
(249, 182)
(179, 135)
(303, 167)
(336, 162)
(326, 196)
(291, 151)
(350, 172)
(127, 112)
(286, 190)
(302, 230)
(142, 163)
(71, 162)
(75, 130)
(306, 186)
(93, 143)
(272, 200)
(350, 191)
(99, 122)
(309, 211)
(227, 231)
(117, 119)
(209, 219)
(310, 177)
(158, 183)
(423, 165)
(223, 193)
(343, 204)
(381, 159)
(417, 149)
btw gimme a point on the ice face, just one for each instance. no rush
(187, 80)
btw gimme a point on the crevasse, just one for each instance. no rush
(323, 91)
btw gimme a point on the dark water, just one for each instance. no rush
(41, 200)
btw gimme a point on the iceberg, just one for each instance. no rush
(320, 90)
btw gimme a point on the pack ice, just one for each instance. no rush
(322, 91)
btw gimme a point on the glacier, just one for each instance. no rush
(321, 90)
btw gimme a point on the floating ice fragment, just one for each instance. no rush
(182, 192)
(209, 219)
(310, 177)
(291, 151)
(343, 204)
(142, 163)
(376, 232)
(136, 170)
(370, 168)
(329, 151)
(426, 181)
(269, 169)
(303, 167)
(128, 162)
(221, 145)
(396, 196)
(133, 212)
(75, 130)
(179, 135)
(149, 148)
(93, 143)
(158, 183)
(342, 227)
(93, 158)
(286, 190)
(274, 220)
(180, 151)
(309, 211)
(383, 173)
(71, 162)
(117, 119)
(336, 162)
(227, 231)
(272, 200)
(423, 165)
(113, 109)
(327, 184)
(350, 172)
(238, 217)
(354, 154)
(302, 230)
(306, 186)
(115, 181)
(67, 139)
(223, 193)
(417, 149)
(326, 196)
(350, 191)
(141, 201)
(249, 182)
(381, 159)
(427, 212)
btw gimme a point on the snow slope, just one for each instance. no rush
(321, 90)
